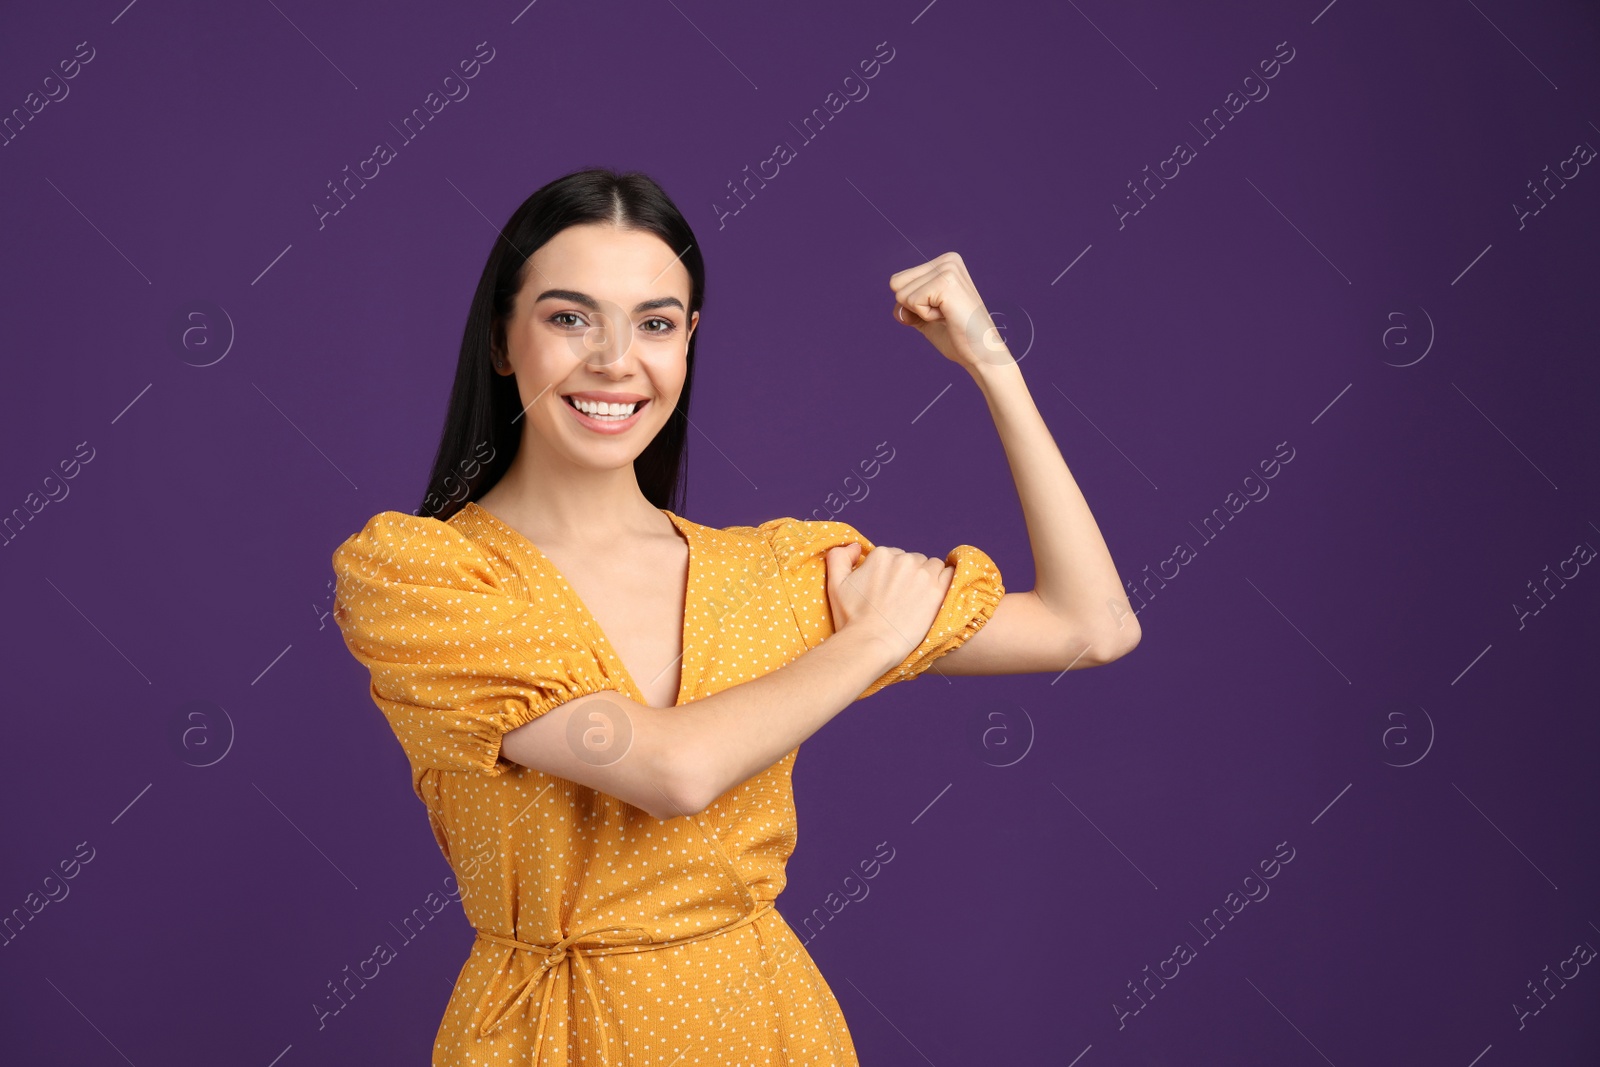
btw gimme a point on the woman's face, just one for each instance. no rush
(598, 338)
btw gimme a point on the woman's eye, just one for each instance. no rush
(655, 325)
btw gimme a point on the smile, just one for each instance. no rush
(603, 417)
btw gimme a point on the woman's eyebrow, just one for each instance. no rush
(593, 305)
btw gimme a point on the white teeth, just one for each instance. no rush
(601, 410)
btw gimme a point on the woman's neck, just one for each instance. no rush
(555, 502)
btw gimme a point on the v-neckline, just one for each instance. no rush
(587, 617)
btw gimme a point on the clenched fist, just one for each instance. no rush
(892, 596)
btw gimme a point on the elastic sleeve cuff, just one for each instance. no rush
(974, 593)
(486, 734)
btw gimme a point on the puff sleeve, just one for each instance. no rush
(456, 660)
(801, 548)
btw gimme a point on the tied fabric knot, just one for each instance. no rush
(569, 952)
(567, 949)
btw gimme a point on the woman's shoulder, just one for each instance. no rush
(400, 529)
(396, 546)
(791, 540)
(451, 571)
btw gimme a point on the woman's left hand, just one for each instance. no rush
(939, 299)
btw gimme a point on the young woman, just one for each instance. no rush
(601, 700)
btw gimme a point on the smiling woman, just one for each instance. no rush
(610, 696)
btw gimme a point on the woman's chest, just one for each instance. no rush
(637, 605)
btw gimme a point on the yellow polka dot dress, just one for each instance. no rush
(606, 935)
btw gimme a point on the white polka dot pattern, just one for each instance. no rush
(468, 632)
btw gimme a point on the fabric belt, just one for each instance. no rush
(569, 953)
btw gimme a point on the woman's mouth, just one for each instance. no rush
(602, 417)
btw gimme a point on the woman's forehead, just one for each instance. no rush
(603, 262)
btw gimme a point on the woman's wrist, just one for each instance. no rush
(999, 375)
(866, 651)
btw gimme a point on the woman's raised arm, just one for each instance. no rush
(1077, 614)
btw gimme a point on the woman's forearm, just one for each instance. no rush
(728, 737)
(679, 759)
(1074, 575)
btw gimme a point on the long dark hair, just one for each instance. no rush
(480, 439)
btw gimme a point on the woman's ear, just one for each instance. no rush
(497, 352)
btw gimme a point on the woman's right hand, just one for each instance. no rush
(892, 596)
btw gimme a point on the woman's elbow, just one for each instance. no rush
(1103, 646)
(622, 748)
(681, 784)
(1125, 641)
(680, 796)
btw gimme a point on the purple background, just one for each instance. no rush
(1359, 617)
